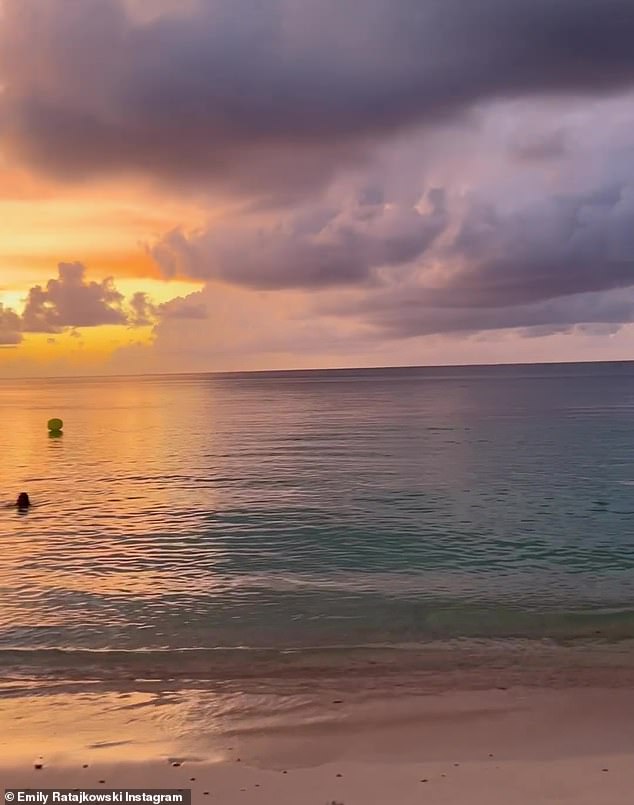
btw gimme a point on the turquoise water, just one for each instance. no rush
(319, 509)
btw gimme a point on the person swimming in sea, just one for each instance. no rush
(23, 502)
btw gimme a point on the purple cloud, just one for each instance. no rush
(270, 96)
(10, 327)
(143, 311)
(183, 308)
(560, 246)
(71, 301)
(314, 249)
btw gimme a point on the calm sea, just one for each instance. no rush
(317, 510)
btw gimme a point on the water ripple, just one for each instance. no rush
(291, 511)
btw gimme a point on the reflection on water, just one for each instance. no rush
(326, 508)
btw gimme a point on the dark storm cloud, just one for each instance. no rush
(270, 94)
(310, 250)
(411, 313)
(10, 327)
(559, 247)
(563, 262)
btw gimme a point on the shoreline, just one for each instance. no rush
(434, 668)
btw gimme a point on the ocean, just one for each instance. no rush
(208, 520)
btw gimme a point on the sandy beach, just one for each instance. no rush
(524, 745)
(582, 781)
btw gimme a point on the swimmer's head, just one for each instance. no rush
(23, 501)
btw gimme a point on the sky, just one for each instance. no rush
(219, 185)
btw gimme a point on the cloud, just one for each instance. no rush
(546, 146)
(10, 327)
(243, 329)
(184, 308)
(563, 261)
(560, 246)
(313, 248)
(251, 330)
(410, 313)
(462, 264)
(70, 301)
(270, 96)
(144, 312)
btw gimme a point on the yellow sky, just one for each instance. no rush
(107, 228)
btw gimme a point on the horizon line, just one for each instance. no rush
(306, 370)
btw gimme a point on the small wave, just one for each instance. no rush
(235, 664)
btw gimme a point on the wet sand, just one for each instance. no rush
(520, 745)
